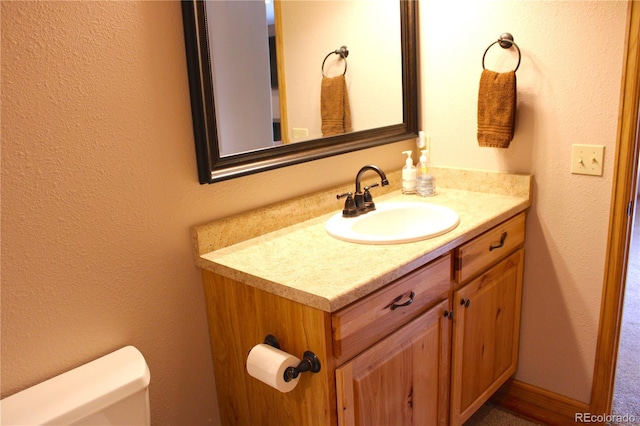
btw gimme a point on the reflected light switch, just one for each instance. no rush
(300, 133)
(587, 159)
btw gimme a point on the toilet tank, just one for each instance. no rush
(111, 390)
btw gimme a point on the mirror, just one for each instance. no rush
(382, 88)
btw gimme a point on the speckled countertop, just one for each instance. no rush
(303, 263)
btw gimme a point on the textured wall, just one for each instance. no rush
(568, 92)
(99, 190)
(99, 186)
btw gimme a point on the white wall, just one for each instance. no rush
(371, 31)
(568, 92)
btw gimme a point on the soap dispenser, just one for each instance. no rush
(408, 175)
(426, 183)
(422, 140)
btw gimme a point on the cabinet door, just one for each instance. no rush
(401, 380)
(485, 335)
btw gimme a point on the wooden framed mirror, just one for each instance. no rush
(211, 46)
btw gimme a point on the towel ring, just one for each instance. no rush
(344, 52)
(506, 41)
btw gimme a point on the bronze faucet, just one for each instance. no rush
(362, 202)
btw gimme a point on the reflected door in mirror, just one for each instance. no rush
(239, 49)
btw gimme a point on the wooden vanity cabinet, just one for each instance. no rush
(363, 323)
(427, 349)
(239, 317)
(401, 380)
(486, 316)
(386, 356)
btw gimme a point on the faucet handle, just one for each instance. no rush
(368, 199)
(366, 188)
(350, 209)
(367, 195)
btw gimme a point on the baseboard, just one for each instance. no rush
(538, 404)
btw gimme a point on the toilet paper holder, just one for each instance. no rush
(310, 361)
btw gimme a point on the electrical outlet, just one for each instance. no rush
(587, 159)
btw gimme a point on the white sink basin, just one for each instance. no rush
(393, 223)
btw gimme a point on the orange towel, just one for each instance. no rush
(334, 106)
(496, 108)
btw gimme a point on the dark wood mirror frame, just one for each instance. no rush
(214, 168)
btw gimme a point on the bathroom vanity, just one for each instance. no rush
(417, 333)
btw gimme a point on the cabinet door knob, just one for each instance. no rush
(395, 305)
(465, 302)
(448, 314)
(503, 237)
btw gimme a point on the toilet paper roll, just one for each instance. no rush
(267, 364)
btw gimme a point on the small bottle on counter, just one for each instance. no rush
(425, 182)
(408, 175)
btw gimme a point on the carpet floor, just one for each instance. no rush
(626, 396)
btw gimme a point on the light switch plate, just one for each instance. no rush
(300, 132)
(587, 159)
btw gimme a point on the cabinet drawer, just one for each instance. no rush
(365, 322)
(488, 248)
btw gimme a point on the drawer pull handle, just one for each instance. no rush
(394, 305)
(503, 237)
(465, 302)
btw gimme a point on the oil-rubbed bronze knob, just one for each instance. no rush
(465, 302)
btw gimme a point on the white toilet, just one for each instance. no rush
(112, 390)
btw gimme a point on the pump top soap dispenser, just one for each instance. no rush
(408, 175)
(426, 183)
